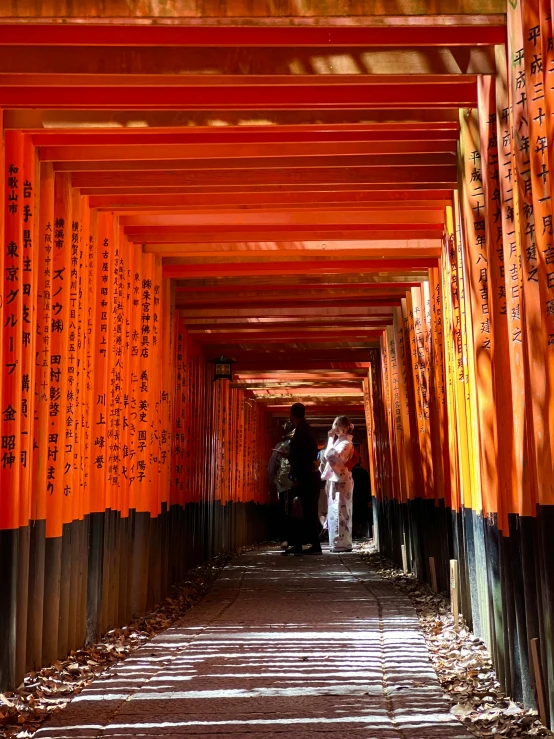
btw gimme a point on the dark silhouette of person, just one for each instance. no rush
(362, 512)
(306, 481)
(278, 470)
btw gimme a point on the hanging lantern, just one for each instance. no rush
(223, 368)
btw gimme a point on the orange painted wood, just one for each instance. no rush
(12, 304)
(149, 150)
(100, 315)
(452, 475)
(44, 256)
(435, 177)
(28, 276)
(459, 349)
(343, 198)
(477, 261)
(59, 479)
(540, 102)
(89, 241)
(293, 162)
(268, 36)
(530, 302)
(315, 218)
(493, 163)
(336, 267)
(404, 368)
(237, 135)
(73, 451)
(439, 407)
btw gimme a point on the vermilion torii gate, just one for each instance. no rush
(352, 200)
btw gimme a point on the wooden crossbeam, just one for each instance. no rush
(327, 286)
(147, 118)
(437, 176)
(377, 159)
(257, 35)
(312, 218)
(265, 97)
(277, 199)
(343, 266)
(314, 366)
(102, 62)
(177, 154)
(337, 132)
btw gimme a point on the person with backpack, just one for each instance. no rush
(340, 457)
(278, 470)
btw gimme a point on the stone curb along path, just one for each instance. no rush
(295, 646)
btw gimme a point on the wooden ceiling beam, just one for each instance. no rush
(268, 379)
(288, 311)
(260, 162)
(328, 248)
(314, 304)
(277, 296)
(258, 35)
(321, 393)
(146, 118)
(304, 327)
(444, 130)
(179, 153)
(360, 233)
(433, 177)
(244, 80)
(314, 366)
(289, 337)
(298, 282)
(215, 190)
(258, 359)
(233, 97)
(385, 198)
(223, 287)
(284, 298)
(216, 208)
(261, 390)
(316, 219)
(337, 267)
(288, 62)
(258, 328)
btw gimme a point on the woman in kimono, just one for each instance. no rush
(339, 485)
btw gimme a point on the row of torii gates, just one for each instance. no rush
(350, 199)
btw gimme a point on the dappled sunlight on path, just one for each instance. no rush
(310, 646)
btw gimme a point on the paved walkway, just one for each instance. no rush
(306, 647)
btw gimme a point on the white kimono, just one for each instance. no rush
(340, 487)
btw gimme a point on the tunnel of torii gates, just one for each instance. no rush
(351, 199)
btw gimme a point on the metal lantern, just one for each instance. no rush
(223, 369)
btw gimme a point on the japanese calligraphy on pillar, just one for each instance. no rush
(12, 331)
(99, 405)
(28, 330)
(521, 40)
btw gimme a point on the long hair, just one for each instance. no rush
(343, 422)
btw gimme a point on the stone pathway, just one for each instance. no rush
(306, 647)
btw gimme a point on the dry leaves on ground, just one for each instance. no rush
(462, 662)
(47, 690)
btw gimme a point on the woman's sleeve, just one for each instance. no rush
(340, 453)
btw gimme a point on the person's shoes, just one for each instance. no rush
(284, 544)
(291, 550)
(313, 550)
